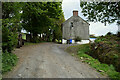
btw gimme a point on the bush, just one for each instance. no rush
(9, 39)
(95, 63)
(8, 61)
(107, 50)
(77, 39)
(118, 34)
(109, 33)
(92, 36)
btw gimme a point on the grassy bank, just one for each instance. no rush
(95, 63)
(107, 50)
(9, 60)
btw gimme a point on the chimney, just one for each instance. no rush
(75, 13)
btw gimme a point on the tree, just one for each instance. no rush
(57, 30)
(38, 17)
(10, 25)
(105, 12)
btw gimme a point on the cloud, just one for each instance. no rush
(100, 29)
(95, 28)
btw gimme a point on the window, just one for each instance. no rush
(71, 25)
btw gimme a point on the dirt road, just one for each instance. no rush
(49, 60)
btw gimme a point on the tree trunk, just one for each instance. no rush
(34, 37)
(53, 40)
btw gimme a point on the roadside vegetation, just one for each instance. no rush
(92, 36)
(103, 55)
(35, 18)
(9, 60)
(107, 49)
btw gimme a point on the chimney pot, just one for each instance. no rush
(75, 13)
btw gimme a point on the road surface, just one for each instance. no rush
(49, 60)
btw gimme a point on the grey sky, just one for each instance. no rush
(95, 28)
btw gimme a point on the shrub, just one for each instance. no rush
(77, 39)
(95, 63)
(8, 61)
(92, 36)
(9, 39)
(118, 34)
(107, 50)
(109, 33)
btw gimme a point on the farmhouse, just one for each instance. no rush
(75, 27)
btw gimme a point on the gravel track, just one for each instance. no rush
(49, 60)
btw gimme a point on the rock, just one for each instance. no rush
(89, 63)
(27, 68)
(100, 70)
(82, 60)
(81, 57)
(19, 75)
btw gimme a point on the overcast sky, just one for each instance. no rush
(95, 28)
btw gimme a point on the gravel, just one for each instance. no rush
(49, 60)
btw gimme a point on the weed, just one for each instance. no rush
(8, 61)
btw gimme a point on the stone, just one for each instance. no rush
(27, 68)
(19, 75)
(100, 70)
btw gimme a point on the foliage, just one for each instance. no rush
(10, 25)
(107, 50)
(95, 63)
(109, 33)
(41, 18)
(9, 39)
(77, 39)
(11, 15)
(8, 61)
(118, 34)
(92, 36)
(105, 12)
(36, 18)
(57, 33)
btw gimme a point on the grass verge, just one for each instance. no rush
(9, 60)
(30, 43)
(102, 68)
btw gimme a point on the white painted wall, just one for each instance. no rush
(119, 28)
(64, 41)
(73, 42)
(83, 42)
